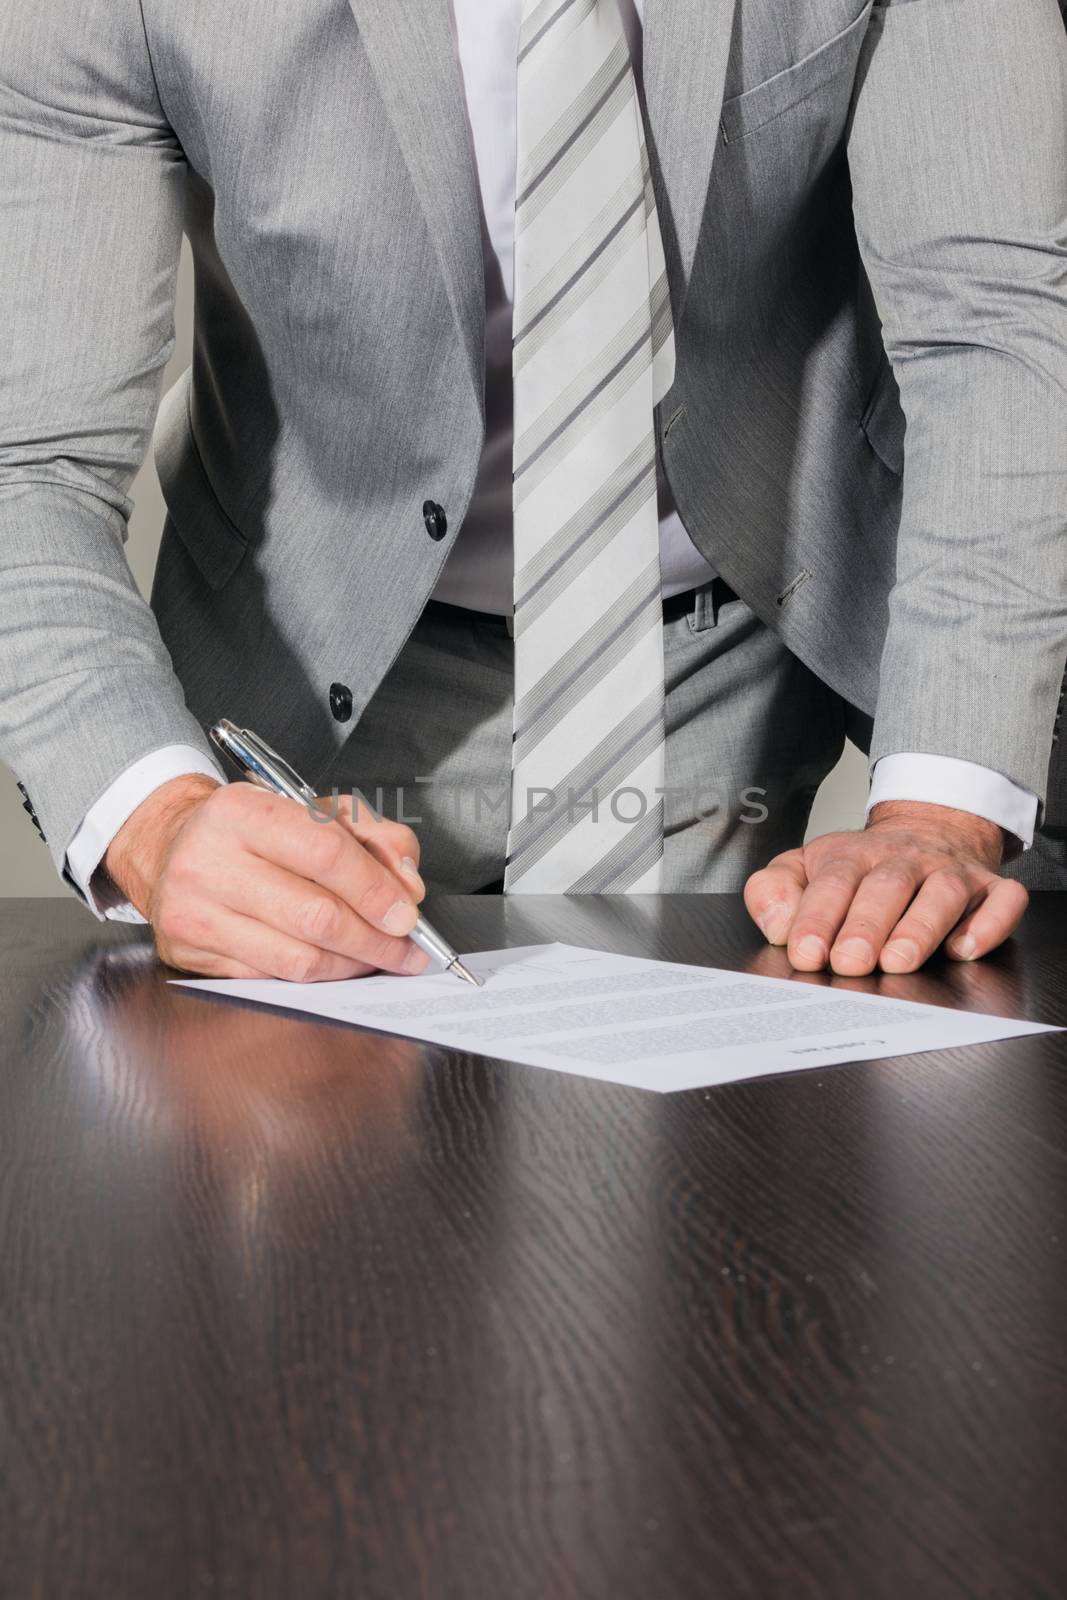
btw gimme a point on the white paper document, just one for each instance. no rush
(650, 1024)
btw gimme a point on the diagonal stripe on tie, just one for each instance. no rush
(604, 769)
(593, 392)
(628, 861)
(630, 341)
(586, 662)
(548, 15)
(565, 137)
(587, 533)
(579, 274)
(544, 188)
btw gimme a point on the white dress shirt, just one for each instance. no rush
(478, 571)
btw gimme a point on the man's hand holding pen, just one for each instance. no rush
(239, 883)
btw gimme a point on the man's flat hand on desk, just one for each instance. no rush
(917, 876)
(238, 883)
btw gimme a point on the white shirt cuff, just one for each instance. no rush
(947, 781)
(117, 803)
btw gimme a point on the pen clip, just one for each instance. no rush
(259, 763)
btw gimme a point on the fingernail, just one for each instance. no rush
(400, 918)
(811, 949)
(416, 961)
(900, 956)
(855, 950)
(409, 866)
(774, 923)
(964, 947)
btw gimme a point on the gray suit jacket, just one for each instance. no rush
(864, 207)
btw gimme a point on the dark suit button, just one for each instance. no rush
(434, 517)
(341, 701)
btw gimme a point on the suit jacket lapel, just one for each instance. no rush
(412, 49)
(686, 49)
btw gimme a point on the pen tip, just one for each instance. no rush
(464, 972)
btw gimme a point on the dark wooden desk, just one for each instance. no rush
(289, 1310)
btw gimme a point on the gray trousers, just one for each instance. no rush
(751, 733)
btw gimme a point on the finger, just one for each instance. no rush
(993, 920)
(823, 908)
(773, 894)
(394, 844)
(311, 914)
(206, 965)
(327, 853)
(883, 894)
(939, 904)
(228, 945)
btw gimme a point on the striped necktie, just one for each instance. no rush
(593, 356)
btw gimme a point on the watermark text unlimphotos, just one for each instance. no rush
(479, 803)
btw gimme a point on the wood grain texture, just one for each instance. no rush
(287, 1309)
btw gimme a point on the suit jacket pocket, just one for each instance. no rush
(745, 113)
(212, 540)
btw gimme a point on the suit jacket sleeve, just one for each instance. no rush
(92, 181)
(957, 156)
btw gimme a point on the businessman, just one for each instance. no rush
(596, 409)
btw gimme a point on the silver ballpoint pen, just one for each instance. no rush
(263, 766)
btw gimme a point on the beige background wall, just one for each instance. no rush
(25, 865)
